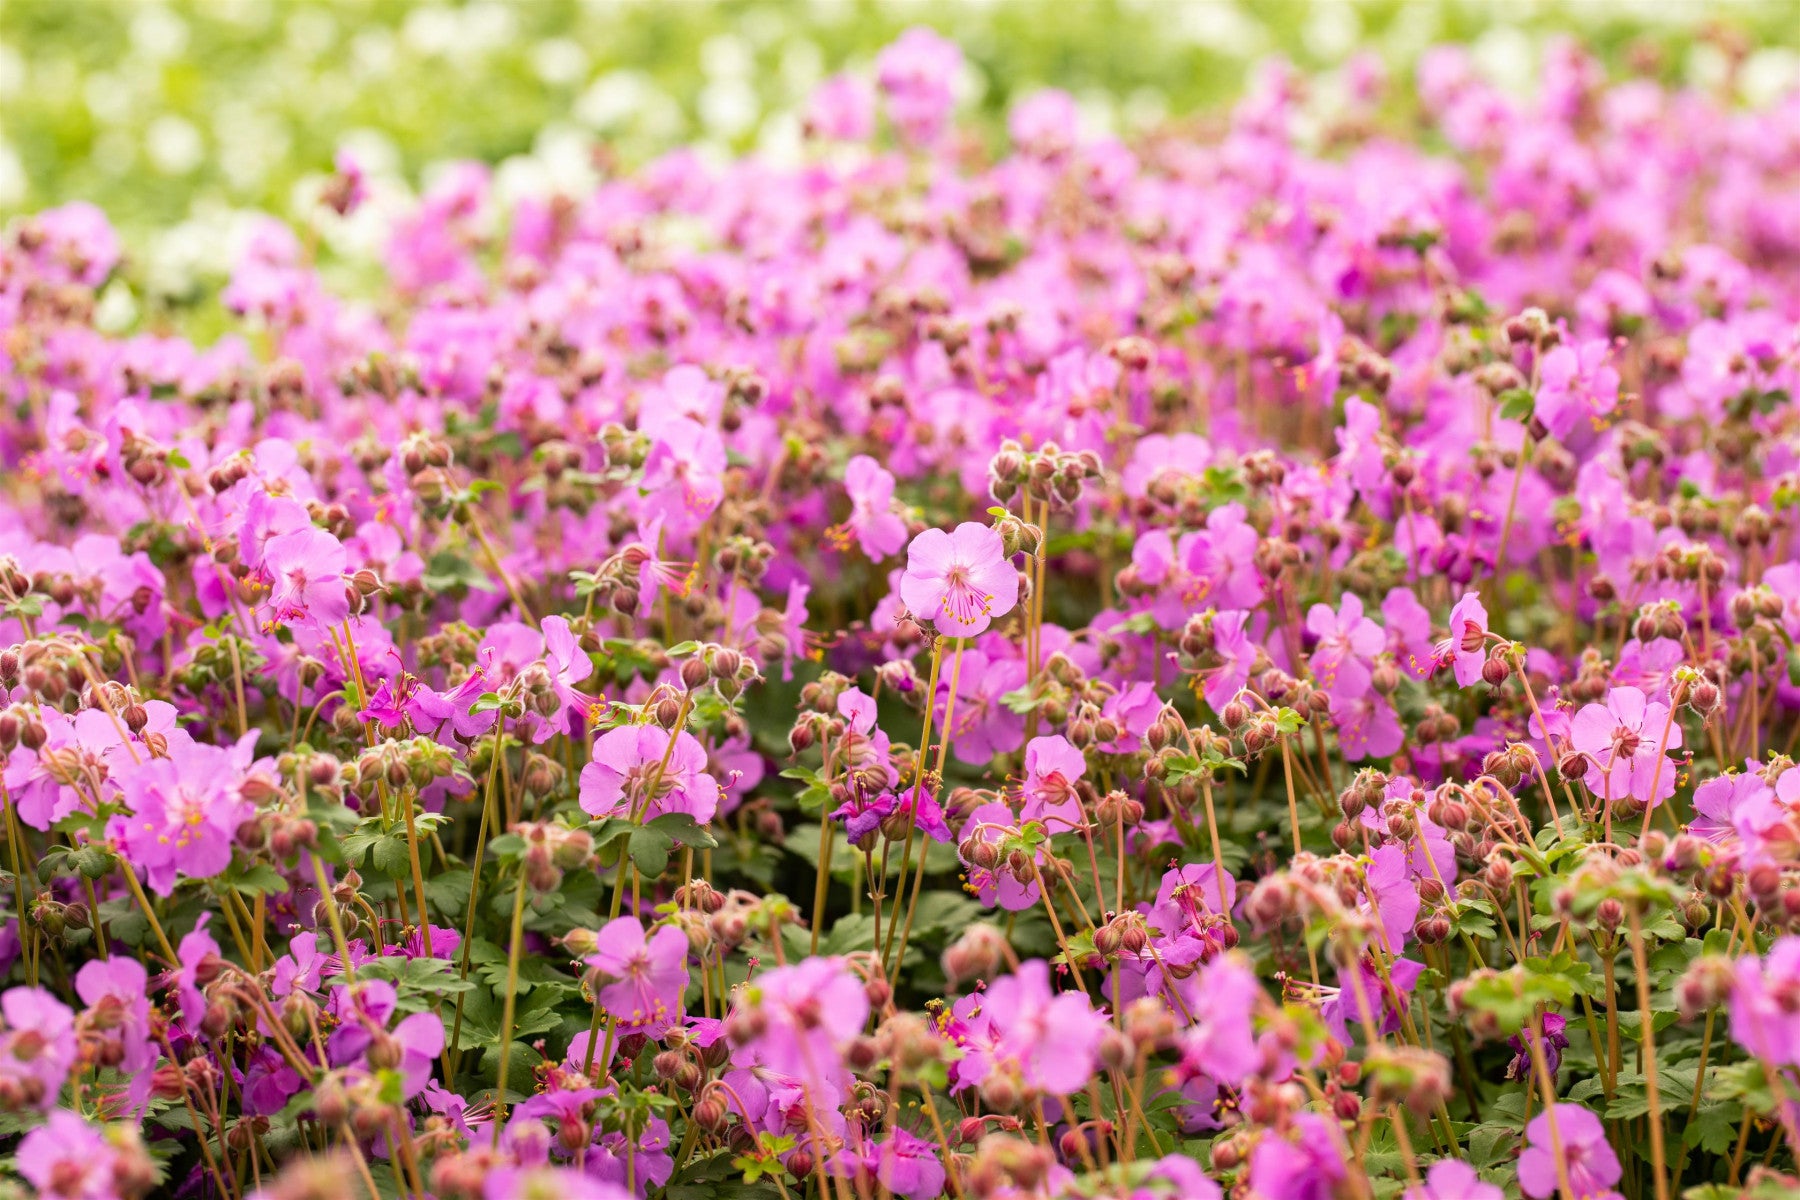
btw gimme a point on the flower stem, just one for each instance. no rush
(1641, 968)
(509, 1006)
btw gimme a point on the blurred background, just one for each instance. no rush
(181, 117)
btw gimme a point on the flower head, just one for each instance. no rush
(960, 581)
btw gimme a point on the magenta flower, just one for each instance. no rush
(909, 1166)
(1237, 654)
(1466, 647)
(306, 569)
(811, 1010)
(1764, 1018)
(873, 521)
(1396, 895)
(1052, 767)
(1453, 1179)
(1221, 1042)
(993, 824)
(628, 774)
(648, 975)
(119, 987)
(1045, 123)
(1625, 740)
(68, 1159)
(684, 474)
(959, 581)
(842, 109)
(37, 1048)
(1409, 633)
(1553, 1032)
(1303, 1162)
(1348, 644)
(198, 963)
(363, 1011)
(185, 812)
(1052, 1039)
(548, 1183)
(1576, 383)
(1367, 727)
(916, 72)
(1720, 800)
(1592, 1166)
(1188, 894)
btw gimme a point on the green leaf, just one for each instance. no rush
(258, 880)
(447, 571)
(685, 830)
(1516, 404)
(649, 849)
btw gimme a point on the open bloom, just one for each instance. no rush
(37, 1047)
(306, 569)
(1589, 1158)
(635, 769)
(1764, 1017)
(186, 810)
(1626, 740)
(67, 1158)
(1466, 647)
(959, 581)
(1051, 1039)
(1452, 1179)
(873, 521)
(647, 974)
(1052, 768)
(1577, 383)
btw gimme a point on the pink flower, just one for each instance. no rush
(1466, 647)
(306, 569)
(67, 1158)
(1592, 1166)
(1053, 1039)
(811, 1011)
(1576, 383)
(121, 987)
(1625, 740)
(1304, 1162)
(1348, 644)
(1045, 123)
(548, 1183)
(1237, 654)
(993, 824)
(627, 773)
(684, 474)
(842, 108)
(959, 581)
(1409, 633)
(1396, 897)
(1764, 1018)
(363, 1011)
(1453, 1179)
(916, 72)
(37, 1048)
(185, 812)
(198, 962)
(1052, 767)
(1221, 1042)
(877, 528)
(648, 975)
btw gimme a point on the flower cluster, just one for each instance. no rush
(1253, 663)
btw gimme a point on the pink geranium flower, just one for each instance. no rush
(634, 769)
(1592, 1166)
(959, 581)
(646, 975)
(1625, 741)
